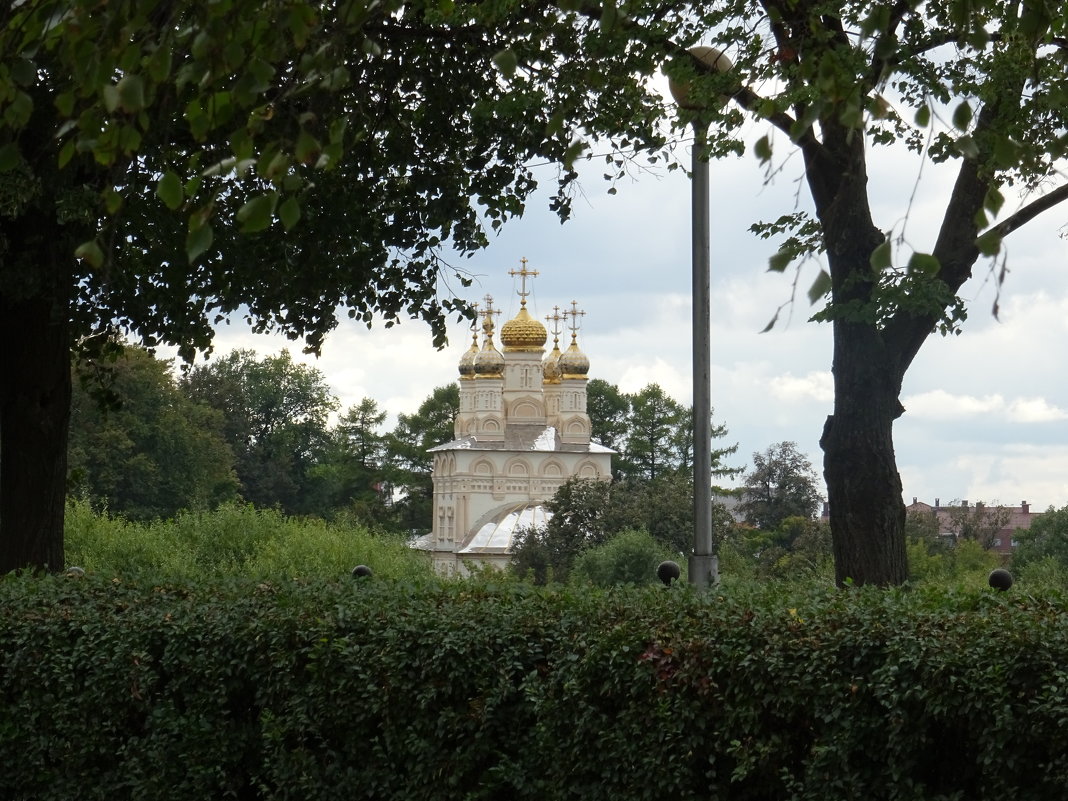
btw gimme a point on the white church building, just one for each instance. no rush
(521, 431)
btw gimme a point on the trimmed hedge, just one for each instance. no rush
(367, 689)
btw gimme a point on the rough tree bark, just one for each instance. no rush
(35, 394)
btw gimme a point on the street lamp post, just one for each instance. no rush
(703, 567)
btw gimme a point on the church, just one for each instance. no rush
(521, 431)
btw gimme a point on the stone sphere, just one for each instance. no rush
(360, 571)
(668, 572)
(1000, 579)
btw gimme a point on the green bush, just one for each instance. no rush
(630, 557)
(113, 689)
(234, 540)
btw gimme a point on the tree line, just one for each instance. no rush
(147, 442)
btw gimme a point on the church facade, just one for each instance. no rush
(521, 431)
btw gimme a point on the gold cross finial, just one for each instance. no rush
(523, 272)
(555, 319)
(488, 314)
(574, 314)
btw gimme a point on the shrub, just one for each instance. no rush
(112, 689)
(628, 558)
(234, 540)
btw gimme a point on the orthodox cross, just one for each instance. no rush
(488, 314)
(555, 319)
(523, 273)
(574, 314)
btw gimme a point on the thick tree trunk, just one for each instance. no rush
(867, 513)
(35, 392)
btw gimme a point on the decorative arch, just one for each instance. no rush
(524, 408)
(552, 469)
(491, 425)
(587, 469)
(518, 468)
(483, 467)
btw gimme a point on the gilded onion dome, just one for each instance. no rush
(523, 332)
(573, 363)
(489, 363)
(467, 361)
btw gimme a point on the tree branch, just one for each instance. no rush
(1029, 212)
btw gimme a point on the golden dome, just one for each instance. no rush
(550, 367)
(573, 362)
(523, 332)
(489, 363)
(467, 361)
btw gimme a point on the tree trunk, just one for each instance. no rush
(867, 514)
(35, 392)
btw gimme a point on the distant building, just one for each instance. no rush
(1009, 520)
(521, 432)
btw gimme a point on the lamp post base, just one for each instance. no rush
(703, 570)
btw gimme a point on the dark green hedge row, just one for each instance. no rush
(469, 691)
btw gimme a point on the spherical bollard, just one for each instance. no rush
(668, 572)
(74, 571)
(1000, 579)
(360, 571)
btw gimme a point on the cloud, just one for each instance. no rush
(938, 404)
(818, 385)
(1034, 410)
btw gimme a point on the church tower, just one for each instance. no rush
(521, 431)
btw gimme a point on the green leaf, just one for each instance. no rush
(573, 152)
(257, 213)
(780, 261)
(9, 156)
(994, 200)
(762, 149)
(967, 147)
(307, 148)
(90, 252)
(923, 116)
(989, 244)
(289, 212)
(771, 324)
(169, 190)
(131, 92)
(112, 200)
(924, 263)
(820, 287)
(881, 257)
(962, 115)
(506, 61)
(199, 238)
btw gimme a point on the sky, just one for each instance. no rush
(986, 411)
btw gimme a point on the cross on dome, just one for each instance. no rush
(574, 314)
(523, 272)
(555, 318)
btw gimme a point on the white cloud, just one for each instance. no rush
(818, 385)
(938, 404)
(1034, 410)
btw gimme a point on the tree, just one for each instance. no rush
(607, 408)
(275, 414)
(410, 463)
(578, 509)
(652, 433)
(168, 164)
(351, 472)
(1047, 538)
(139, 446)
(974, 83)
(980, 522)
(781, 484)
